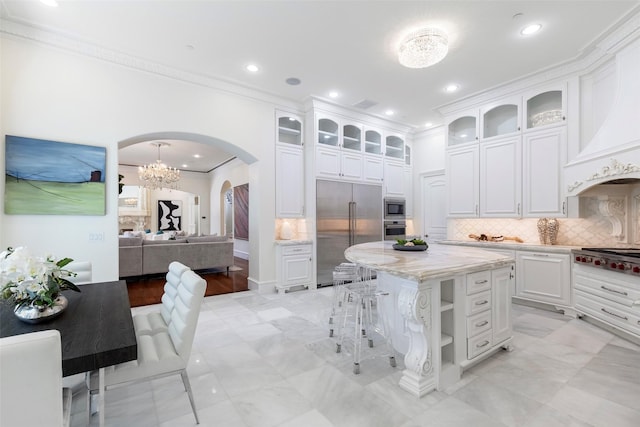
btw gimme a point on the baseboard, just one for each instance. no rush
(241, 254)
(266, 287)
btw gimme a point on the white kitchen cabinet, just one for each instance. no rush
(393, 178)
(488, 310)
(373, 168)
(500, 177)
(288, 129)
(373, 142)
(544, 155)
(500, 118)
(408, 191)
(462, 129)
(293, 266)
(502, 280)
(545, 107)
(394, 147)
(463, 182)
(544, 277)
(289, 166)
(338, 149)
(289, 182)
(332, 163)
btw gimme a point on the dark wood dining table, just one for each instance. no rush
(96, 330)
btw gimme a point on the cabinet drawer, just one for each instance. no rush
(609, 312)
(478, 323)
(296, 250)
(478, 303)
(479, 344)
(607, 285)
(478, 282)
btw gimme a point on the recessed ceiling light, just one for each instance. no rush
(389, 112)
(197, 156)
(428, 124)
(50, 3)
(452, 88)
(334, 94)
(253, 68)
(185, 166)
(530, 29)
(293, 81)
(464, 135)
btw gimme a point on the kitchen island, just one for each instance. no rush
(447, 307)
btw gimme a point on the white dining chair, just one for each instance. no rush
(83, 272)
(31, 392)
(158, 321)
(167, 352)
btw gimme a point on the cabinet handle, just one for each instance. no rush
(476, 209)
(616, 315)
(518, 208)
(486, 322)
(542, 255)
(613, 290)
(482, 302)
(482, 344)
(564, 206)
(479, 282)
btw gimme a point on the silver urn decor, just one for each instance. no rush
(552, 230)
(35, 314)
(542, 230)
(548, 230)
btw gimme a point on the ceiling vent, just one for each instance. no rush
(365, 103)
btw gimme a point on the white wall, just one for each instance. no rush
(50, 94)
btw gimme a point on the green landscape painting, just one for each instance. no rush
(53, 178)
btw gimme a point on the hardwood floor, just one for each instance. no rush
(148, 290)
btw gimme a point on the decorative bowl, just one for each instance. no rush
(410, 248)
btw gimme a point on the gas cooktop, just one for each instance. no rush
(630, 252)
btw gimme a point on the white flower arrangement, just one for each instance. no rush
(30, 280)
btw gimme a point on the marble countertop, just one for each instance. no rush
(510, 245)
(293, 242)
(436, 262)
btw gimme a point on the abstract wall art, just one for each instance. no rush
(169, 215)
(53, 178)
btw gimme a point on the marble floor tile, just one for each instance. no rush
(500, 403)
(592, 409)
(453, 412)
(267, 360)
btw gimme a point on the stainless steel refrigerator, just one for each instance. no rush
(346, 215)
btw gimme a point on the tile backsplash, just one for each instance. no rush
(593, 231)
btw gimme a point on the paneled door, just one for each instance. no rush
(434, 208)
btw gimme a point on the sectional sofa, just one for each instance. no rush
(139, 256)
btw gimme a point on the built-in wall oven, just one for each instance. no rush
(394, 209)
(607, 286)
(394, 230)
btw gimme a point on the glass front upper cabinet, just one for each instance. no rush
(500, 120)
(394, 147)
(328, 132)
(545, 108)
(373, 142)
(352, 137)
(289, 130)
(462, 130)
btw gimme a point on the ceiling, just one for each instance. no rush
(344, 46)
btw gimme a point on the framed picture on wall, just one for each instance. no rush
(53, 178)
(170, 215)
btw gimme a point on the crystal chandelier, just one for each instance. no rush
(157, 176)
(423, 48)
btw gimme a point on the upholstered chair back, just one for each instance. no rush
(184, 317)
(176, 270)
(31, 380)
(83, 272)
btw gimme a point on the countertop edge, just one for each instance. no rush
(512, 246)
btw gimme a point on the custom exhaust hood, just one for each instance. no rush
(613, 154)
